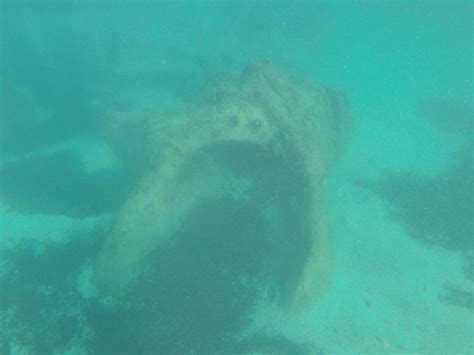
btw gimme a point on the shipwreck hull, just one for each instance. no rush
(267, 139)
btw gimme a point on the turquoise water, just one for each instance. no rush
(80, 80)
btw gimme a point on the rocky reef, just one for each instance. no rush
(266, 139)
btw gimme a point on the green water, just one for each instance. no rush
(399, 200)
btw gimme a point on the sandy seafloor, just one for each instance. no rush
(386, 286)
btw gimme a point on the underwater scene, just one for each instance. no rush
(236, 177)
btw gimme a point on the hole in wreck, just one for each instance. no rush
(197, 291)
